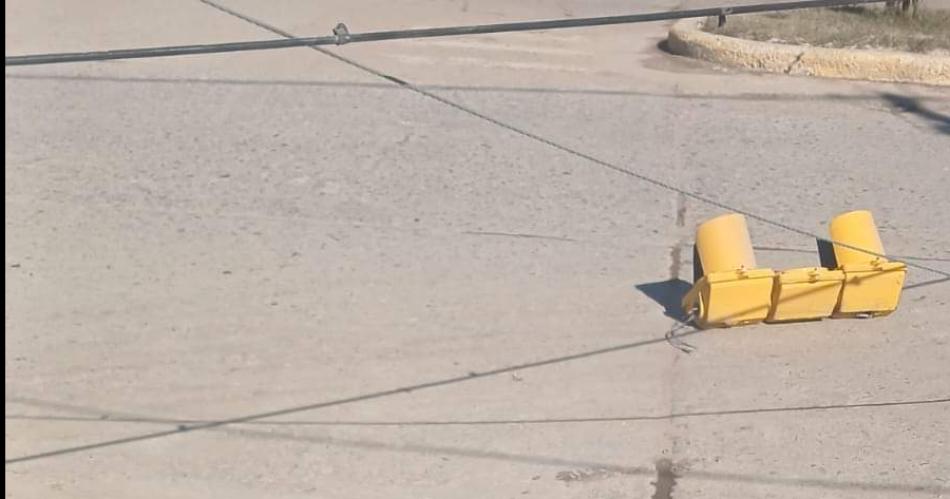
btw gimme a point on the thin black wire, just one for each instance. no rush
(270, 434)
(433, 384)
(331, 403)
(927, 283)
(341, 37)
(811, 251)
(108, 417)
(292, 41)
(525, 133)
(205, 425)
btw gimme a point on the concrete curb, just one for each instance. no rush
(686, 38)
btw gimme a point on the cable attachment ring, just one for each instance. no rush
(341, 34)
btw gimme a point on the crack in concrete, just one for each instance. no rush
(797, 60)
(675, 260)
(676, 250)
(681, 210)
(665, 477)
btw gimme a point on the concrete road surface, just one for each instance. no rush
(275, 274)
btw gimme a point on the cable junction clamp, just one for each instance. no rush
(342, 34)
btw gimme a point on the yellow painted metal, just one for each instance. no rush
(872, 289)
(805, 294)
(855, 228)
(872, 284)
(731, 291)
(724, 245)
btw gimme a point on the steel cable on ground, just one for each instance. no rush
(342, 35)
(471, 375)
(533, 136)
(464, 378)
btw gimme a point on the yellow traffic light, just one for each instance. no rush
(729, 290)
(872, 284)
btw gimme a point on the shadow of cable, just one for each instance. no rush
(903, 103)
(666, 298)
(372, 445)
(103, 416)
(343, 401)
(764, 97)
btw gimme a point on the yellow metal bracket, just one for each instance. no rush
(805, 294)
